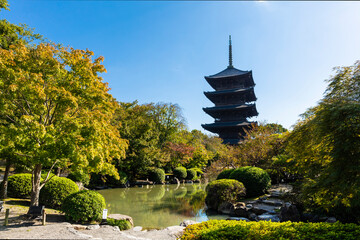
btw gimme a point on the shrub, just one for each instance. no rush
(79, 177)
(97, 179)
(84, 206)
(121, 223)
(180, 173)
(157, 175)
(266, 230)
(19, 185)
(56, 190)
(223, 190)
(225, 174)
(191, 174)
(255, 180)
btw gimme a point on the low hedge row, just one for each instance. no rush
(264, 230)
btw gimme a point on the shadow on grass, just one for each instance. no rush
(19, 202)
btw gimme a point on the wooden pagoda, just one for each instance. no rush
(234, 100)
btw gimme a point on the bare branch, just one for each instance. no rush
(47, 176)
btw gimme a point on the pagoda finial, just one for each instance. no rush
(230, 53)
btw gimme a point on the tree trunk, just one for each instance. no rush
(4, 183)
(58, 171)
(35, 191)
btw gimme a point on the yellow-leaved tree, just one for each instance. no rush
(57, 110)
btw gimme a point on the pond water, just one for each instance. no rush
(159, 206)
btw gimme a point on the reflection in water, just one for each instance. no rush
(159, 205)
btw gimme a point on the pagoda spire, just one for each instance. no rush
(230, 53)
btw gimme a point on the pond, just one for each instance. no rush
(159, 206)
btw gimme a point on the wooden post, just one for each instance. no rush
(44, 217)
(7, 217)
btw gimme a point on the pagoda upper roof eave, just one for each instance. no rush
(228, 72)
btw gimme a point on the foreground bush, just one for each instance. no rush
(191, 174)
(19, 185)
(255, 180)
(225, 174)
(121, 223)
(56, 190)
(223, 190)
(180, 173)
(84, 206)
(265, 230)
(157, 175)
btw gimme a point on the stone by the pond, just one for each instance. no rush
(262, 208)
(331, 220)
(187, 223)
(225, 207)
(175, 231)
(92, 227)
(122, 217)
(238, 219)
(269, 217)
(239, 210)
(137, 229)
(273, 202)
(253, 217)
(289, 212)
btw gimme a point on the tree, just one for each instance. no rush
(59, 110)
(11, 34)
(326, 147)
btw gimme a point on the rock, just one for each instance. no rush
(137, 229)
(92, 227)
(225, 207)
(122, 217)
(289, 212)
(253, 217)
(331, 220)
(175, 231)
(269, 217)
(259, 210)
(239, 210)
(273, 202)
(238, 219)
(249, 206)
(187, 223)
(79, 227)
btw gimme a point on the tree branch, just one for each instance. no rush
(47, 176)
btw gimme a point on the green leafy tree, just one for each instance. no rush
(325, 146)
(59, 110)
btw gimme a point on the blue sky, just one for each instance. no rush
(161, 51)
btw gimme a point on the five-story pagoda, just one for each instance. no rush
(234, 99)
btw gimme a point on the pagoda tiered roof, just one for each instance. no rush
(233, 98)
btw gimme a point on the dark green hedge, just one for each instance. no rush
(180, 173)
(84, 206)
(157, 175)
(191, 174)
(56, 190)
(19, 185)
(265, 230)
(255, 180)
(225, 174)
(223, 190)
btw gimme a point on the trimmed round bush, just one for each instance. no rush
(157, 175)
(84, 206)
(191, 174)
(223, 190)
(56, 190)
(180, 173)
(255, 180)
(121, 223)
(225, 174)
(19, 185)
